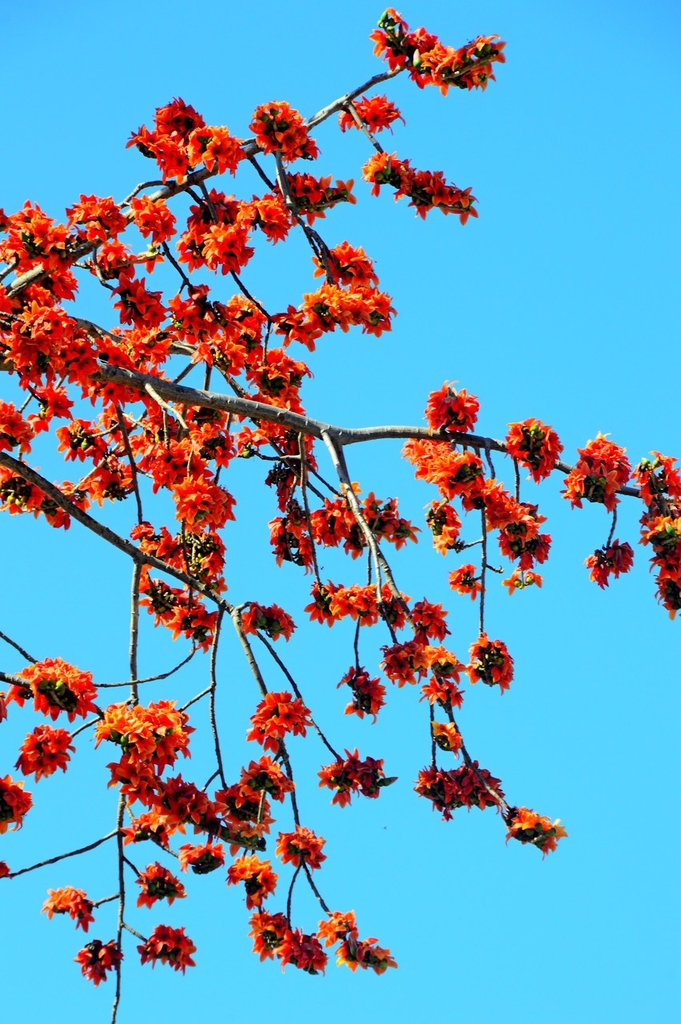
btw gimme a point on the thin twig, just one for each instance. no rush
(17, 647)
(63, 856)
(211, 700)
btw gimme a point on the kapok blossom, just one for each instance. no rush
(451, 410)
(601, 470)
(535, 446)
(69, 901)
(610, 560)
(169, 946)
(529, 827)
(490, 663)
(97, 958)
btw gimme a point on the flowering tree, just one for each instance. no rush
(113, 400)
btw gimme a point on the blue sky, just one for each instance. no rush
(558, 302)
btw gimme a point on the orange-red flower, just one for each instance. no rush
(535, 446)
(368, 693)
(268, 932)
(467, 786)
(376, 112)
(276, 715)
(465, 581)
(158, 884)
(69, 901)
(169, 946)
(271, 619)
(301, 845)
(203, 858)
(610, 560)
(258, 878)
(14, 803)
(278, 126)
(56, 686)
(447, 736)
(522, 578)
(366, 954)
(529, 827)
(354, 775)
(303, 951)
(598, 474)
(490, 662)
(97, 958)
(445, 526)
(44, 751)
(451, 410)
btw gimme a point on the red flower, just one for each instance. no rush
(535, 446)
(467, 786)
(464, 581)
(301, 845)
(69, 901)
(376, 112)
(14, 803)
(278, 126)
(268, 932)
(170, 946)
(354, 775)
(258, 878)
(598, 474)
(303, 951)
(447, 736)
(201, 859)
(158, 884)
(368, 694)
(490, 662)
(271, 619)
(97, 958)
(610, 560)
(56, 686)
(44, 750)
(528, 827)
(451, 410)
(276, 715)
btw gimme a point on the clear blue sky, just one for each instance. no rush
(558, 303)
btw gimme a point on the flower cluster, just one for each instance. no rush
(14, 803)
(55, 686)
(610, 560)
(353, 775)
(467, 786)
(430, 62)
(280, 128)
(276, 715)
(97, 958)
(529, 827)
(451, 410)
(169, 946)
(535, 446)
(44, 751)
(490, 663)
(272, 620)
(301, 845)
(426, 190)
(368, 693)
(660, 483)
(180, 140)
(258, 878)
(69, 901)
(374, 112)
(158, 883)
(598, 474)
